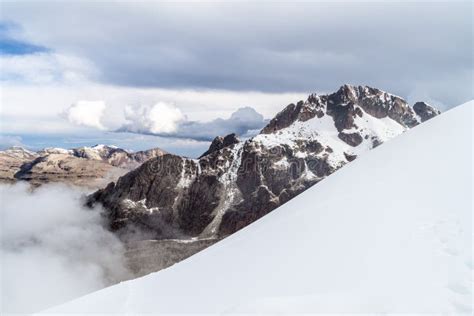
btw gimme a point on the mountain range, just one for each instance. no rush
(90, 167)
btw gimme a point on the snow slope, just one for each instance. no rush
(391, 232)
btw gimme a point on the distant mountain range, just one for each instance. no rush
(83, 166)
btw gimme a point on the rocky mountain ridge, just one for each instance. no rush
(84, 166)
(236, 182)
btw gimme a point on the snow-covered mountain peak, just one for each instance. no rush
(54, 150)
(19, 152)
(97, 152)
(347, 122)
(344, 105)
(102, 146)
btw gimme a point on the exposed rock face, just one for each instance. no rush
(353, 139)
(234, 183)
(301, 111)
(425, 111)
(220, 142)
(92, 167)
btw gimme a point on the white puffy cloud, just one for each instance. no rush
(160, 118)
(86, 113)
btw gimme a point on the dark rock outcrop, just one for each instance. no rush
(290, 114)
(353, 139)
(220, 142)
(425, 111)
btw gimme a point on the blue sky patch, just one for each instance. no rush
(11, 46)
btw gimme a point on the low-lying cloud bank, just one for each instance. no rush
(52, 248)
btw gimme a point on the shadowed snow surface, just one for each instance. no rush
(391, 232)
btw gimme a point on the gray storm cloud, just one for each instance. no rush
(298, 47)
(52, 249)
(242, 122)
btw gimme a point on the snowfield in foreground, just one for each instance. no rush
(391, 232)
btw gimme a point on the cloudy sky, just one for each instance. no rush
(173, 75)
